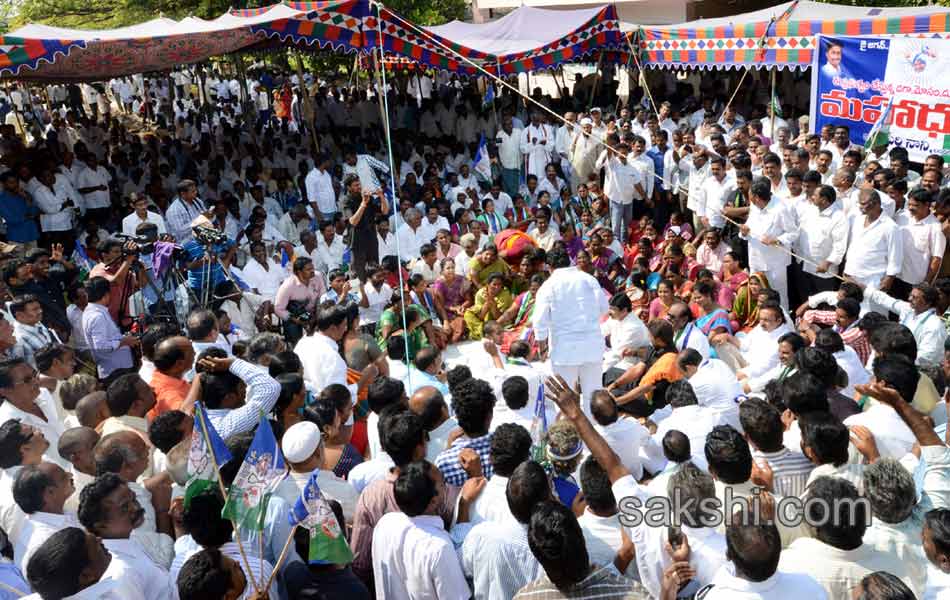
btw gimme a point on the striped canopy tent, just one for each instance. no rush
(156, 45)
(781, 37)
(19, 54)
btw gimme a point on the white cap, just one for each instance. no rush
(586, 121)
(595, 109)
(300, 441)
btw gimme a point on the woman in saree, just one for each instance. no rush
(517, 319)
(494, 221)
(745, 309)
(665, 298)
(607, 265)
(423, 299)
(451, 301)
(391, 324)
(491, 302)
(732, 277)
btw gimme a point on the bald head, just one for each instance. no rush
(428, 403)
(603, 407)
(92, 409)
(174, 356)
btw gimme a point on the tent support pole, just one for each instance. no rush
(772, 102)
(305, 93)
(641, 77)
(595, 89)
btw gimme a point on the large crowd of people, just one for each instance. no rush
(497, 347)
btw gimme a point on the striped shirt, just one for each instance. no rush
(851, 336)
(790, 470)
(602, 583)
(448, 459)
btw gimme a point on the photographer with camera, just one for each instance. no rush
(200, 254)
(297, 299)
(115, 266)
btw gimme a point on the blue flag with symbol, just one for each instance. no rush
(263, 469)
(482, 164)
(284, 259)
(539, 427)
(489, 96)
(313, 512)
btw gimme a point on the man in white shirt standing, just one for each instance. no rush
(823, 242)
(93, 183)
(319, 186)
(141, 214)
(875, 253)
(713, 191)
(922, 240)
(566, 321)
(565, 139)
(537, 144)
(622, 184)
(508, 141)
(769, 230)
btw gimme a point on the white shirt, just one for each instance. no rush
(265, 281)
(369, 471)
(629, 439)
(921, 240)
(136, 566)
(824, 236)
(775, 222)
(760, 349)
(602, 538)
(850, 362)
(717, 388)
(707, 547)
(333, 487)
(52, 428)
(93, 178)
(576, 340)
(386, 247)
(838, 571)
(693, 337)
(927, 327)
(319, 185)
(322, 363)
(629, 332)
(780, 586)
(414, 559)
(378, 299)
(695, 422)
(893, 437)
(938, 584)
(430, 228)
(329, 257)
(132, 221)
(621, 178)
(492, 503)
(509, 148)
(410, 241)
(50, 201)
(35, 530)
(713, 192)
(874, 251)
(497, 558)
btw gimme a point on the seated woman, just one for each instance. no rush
(660, 306)
(491, 302)
(494, 222)
(745, 309)
(608, 267)
(713, 318)
(451, 300)
(732, 277)
(486, 263)
(391, 323)
(422, 298)
(332, 412)
(517, 319)
(660, 366)
(757, 352)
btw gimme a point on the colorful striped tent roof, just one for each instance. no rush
(782, 36)
(22, 54)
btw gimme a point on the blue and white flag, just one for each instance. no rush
(263, 469)
(327, 542)
(489, 96)
(481, 164)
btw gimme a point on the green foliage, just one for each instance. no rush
(432, 12)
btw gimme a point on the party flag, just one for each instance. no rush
(201, 459)
(313, 512)
(256, 480)
(482, 164)
(284, 258)
(539, 426)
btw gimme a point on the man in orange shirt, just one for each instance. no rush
(173, 358)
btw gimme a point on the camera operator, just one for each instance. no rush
(158, 293)
(201, 254)
(115, 266)
(297, 299)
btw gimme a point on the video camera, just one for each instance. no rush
(144, 244)
(209, 236)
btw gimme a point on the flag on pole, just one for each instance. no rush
(256, 480)
(489, 96)
(284, 258)
(775, 105)
(880, 134)
(539, 426)
(313, 512)
(201, 459)
(482, 164)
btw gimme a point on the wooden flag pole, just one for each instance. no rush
(280, 559)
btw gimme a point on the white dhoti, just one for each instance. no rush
(589, 375)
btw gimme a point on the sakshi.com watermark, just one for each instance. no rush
(731, 509)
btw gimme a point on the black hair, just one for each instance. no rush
(938, 521)
(456, 375)
(291, 384)
(596, 486)
(762, 423)
(383, 392)
(621, 302)
(401, 431)
(56, 566)
(200, 323)
(850, 306)
(122, 394)
(829, 340)
(204, 576)
(202, 519)
(19, 303)
(29, 487)
(414, 488)
(838, 499)
(881, 585)
(557, 542)
(728, 455)
(92, 509)
(426, 357)
(893, 338)
(284, 362)
(515, 392)
(12, 439)
(898, 372)
(473, 402)
(680, 393)
(164, 432)
(754, 550)
(97, 288)
(331, 316)
(826, 436)
(676, 446)
(804, 393)
(216, 386)
(528, 485)
(510, 446)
